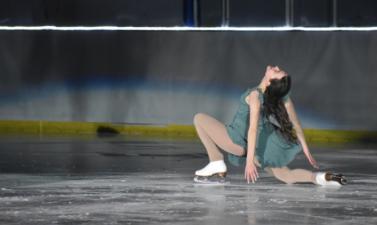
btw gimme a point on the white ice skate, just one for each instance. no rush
(213, 172)
(330, 179)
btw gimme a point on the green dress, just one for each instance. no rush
(272, 150)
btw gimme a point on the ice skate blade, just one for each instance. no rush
(222, 174)
(342, 180)
(210, 180)
(333, 184)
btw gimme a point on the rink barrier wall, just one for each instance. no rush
(173, 131)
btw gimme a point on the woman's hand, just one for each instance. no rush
(251, 172)
(311, 159)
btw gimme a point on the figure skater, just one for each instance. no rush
(265, 132)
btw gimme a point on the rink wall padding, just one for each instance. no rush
(168, 131)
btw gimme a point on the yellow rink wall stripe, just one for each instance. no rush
(169, 130)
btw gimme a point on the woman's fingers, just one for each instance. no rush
(251, 178)
(313, 162)
(251, 174)
(315, 165)
(254, 176)
(311, 159)
(247, 176)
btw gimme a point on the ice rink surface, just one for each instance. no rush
(65, 180)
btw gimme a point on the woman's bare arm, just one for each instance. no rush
(251, 172)
(254, 106)
(299, 131)
(296, 123)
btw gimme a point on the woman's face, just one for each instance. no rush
(274, 72)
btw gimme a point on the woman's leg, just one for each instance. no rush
(212, 132)
(292, 176)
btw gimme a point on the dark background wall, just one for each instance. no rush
(163, 77)
(181, 12)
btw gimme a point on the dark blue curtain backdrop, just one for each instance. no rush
(243, 13)
(92, 12)
(159, 77)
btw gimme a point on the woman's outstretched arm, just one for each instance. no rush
(251, 172)
(299, 131)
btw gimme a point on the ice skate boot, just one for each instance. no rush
(214, 172)
(330, 179)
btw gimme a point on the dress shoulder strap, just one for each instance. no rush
(260, 93)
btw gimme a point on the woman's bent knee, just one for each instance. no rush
(198, 117)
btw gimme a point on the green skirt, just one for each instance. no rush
(272, 150)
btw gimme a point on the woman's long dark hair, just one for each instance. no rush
(273, 106)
